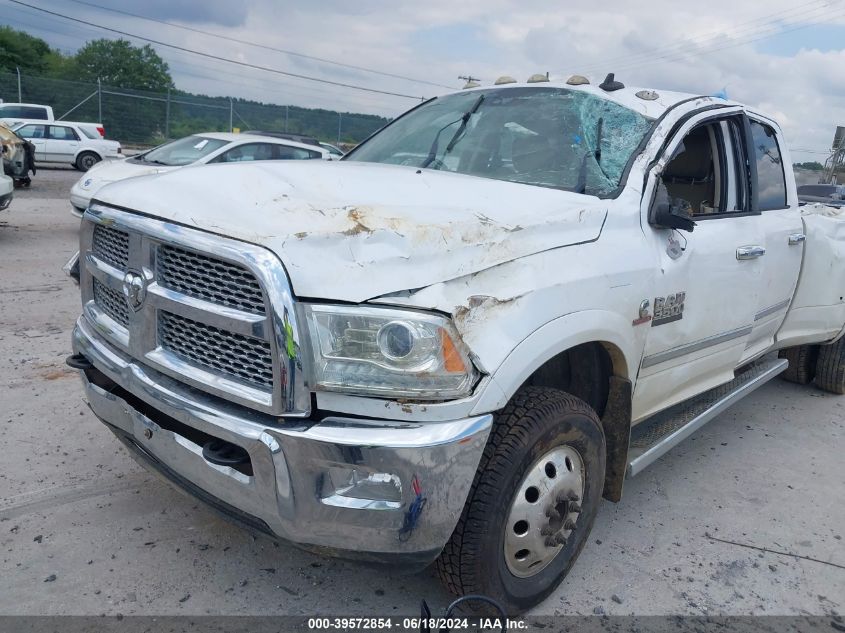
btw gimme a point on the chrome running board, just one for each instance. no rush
(654, 437)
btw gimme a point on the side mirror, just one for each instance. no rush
(674, 216)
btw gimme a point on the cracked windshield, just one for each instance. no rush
(550, 137)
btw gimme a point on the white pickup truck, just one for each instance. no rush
(451, 344)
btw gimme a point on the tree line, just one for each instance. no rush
(127, 72)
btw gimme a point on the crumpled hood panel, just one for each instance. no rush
(354, 231)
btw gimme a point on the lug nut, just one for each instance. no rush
(553, 514)
(560, 539)
(148, 433)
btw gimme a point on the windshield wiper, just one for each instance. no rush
(432, 153)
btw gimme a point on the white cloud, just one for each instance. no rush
(695, 47)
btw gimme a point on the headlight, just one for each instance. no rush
(387, 352)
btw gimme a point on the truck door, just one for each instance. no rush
(707, 287)
(773, 190)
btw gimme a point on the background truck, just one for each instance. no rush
(451, 344)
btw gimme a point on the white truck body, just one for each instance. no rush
(524, 274)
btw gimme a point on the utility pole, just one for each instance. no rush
(99, 101)
(471, 82)
(20, 99)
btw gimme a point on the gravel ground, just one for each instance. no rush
(84, 530)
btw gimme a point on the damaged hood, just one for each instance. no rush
(352, 231)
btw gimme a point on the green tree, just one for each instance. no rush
(120, 64)
(21, 50)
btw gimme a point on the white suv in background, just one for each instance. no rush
(79, 144)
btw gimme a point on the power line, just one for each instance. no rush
(178, 63)
(265, 47)
(219, 58)
(711, 37)
(707, 51)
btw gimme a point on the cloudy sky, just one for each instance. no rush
(786, 57)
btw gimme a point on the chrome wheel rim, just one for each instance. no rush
(88, 162)
(544, 512)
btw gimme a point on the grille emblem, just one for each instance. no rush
(134, 289)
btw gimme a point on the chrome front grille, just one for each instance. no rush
(111, 302)
(209, 279)
(213, 313)
(247, 358)
(111, 245)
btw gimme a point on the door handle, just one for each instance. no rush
(796, 238)
(750, 252)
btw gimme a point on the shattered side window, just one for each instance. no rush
(549, 137)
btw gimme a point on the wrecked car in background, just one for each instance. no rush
(452, 343)
(18, 156)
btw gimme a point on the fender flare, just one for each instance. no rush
(551, 339)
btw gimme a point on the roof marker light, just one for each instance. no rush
(647, 95)
(505, 79)
(471, 84)
(578, 80)
(538, 78)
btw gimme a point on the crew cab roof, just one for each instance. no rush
(627, 96)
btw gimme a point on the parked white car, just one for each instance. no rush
(198, 149)
(79, 144)
(7, 191)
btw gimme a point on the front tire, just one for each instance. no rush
(540, 481)
(86, 160)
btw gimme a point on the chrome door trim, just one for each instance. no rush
(695, 346)
(780, 305)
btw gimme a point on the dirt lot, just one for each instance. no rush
(84, 530)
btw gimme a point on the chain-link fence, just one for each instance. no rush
(148, 118)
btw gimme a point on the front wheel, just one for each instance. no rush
(86, 160)
(532, 503)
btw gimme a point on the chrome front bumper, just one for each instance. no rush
(348, 486)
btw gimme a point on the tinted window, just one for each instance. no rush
(22, 112)
(32, 131)
(817, 190)
(285, 152)
(250, 151)
(62, 133)
(771, 185)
